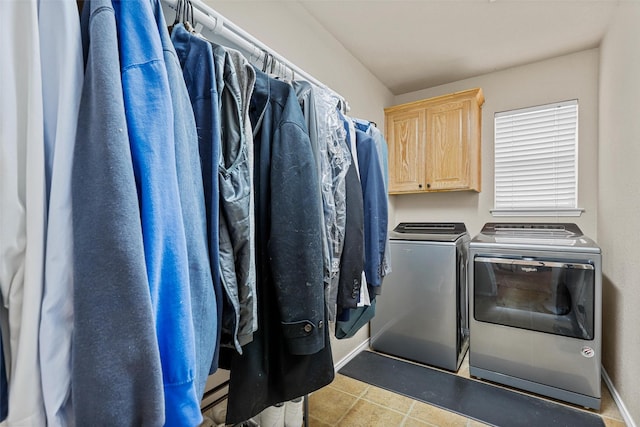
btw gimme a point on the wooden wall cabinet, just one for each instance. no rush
(434, 144)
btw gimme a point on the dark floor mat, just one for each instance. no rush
(473, 399)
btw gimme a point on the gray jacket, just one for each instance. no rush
(235, 80)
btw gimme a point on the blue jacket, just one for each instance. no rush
(203, 304)
(198, 68)
(375, 208)
(116, 372)
(383, 157)
(149, 116)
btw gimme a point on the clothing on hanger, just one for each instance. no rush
(306, 94)
(62, 79)
(23, 202)
(375, 209)
(114, 326)
(191, 192)
(328, 141)
(196, 58)
(235, 79)
(351, 280)
(383, 156)
(149, 115)
(289, 355)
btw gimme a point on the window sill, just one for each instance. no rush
(537, 212)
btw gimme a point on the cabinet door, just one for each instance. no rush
(447, 157)
(405, 133)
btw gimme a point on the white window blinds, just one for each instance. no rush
(536, 158)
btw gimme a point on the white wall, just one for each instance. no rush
(558, 79)
(619, 202)
(292, 32)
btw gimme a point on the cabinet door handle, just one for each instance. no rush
(428, 185)
(419, 185)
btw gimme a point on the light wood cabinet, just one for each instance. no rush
(434, 144)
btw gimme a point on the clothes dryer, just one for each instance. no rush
(535, 306)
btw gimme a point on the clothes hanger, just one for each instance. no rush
(189, 19)
(265, 61)
(273, 66)
(256, 58)
(178, 18)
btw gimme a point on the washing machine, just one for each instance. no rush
(422, 313)
(535, 309)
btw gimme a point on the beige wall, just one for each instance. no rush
(287, 28)
(619, 202)
(558, 79)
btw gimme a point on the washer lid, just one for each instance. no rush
(552, 236)
(435, 231)
(535, 229)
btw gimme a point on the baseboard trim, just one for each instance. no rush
(616, 398)
(363, 346)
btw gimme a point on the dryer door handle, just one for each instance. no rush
(536, 263)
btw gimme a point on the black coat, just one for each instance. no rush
(352, 259)
(290, 355)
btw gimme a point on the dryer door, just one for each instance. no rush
(549, 296)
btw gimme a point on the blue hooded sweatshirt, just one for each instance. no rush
(150, 122)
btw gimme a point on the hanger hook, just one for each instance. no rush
(265, 60)
(183, 16)
(190, 12)
(177, 18)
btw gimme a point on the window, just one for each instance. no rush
(536, 155)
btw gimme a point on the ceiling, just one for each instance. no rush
(412, 45)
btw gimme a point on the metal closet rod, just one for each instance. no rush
(219, 26)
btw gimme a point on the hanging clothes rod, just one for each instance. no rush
(213, 26)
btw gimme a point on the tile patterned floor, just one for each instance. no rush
(350, 403)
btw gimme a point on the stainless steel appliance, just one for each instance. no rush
(535, 305)
(422, 315)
